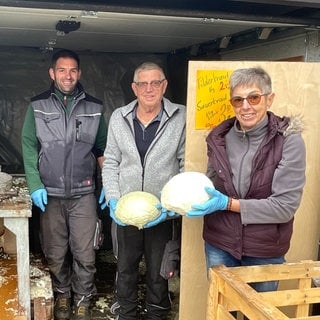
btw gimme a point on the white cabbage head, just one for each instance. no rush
(137, 208)
(183, 190)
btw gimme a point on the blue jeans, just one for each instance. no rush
(215, 256)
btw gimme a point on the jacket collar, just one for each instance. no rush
(168, 107)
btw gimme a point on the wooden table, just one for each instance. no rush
(16, 212)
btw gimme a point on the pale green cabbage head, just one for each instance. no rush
(183, 190)
(137, 208)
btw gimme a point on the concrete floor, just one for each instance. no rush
(106, 268)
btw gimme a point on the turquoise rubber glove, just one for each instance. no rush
(40, 198)
(102, 200)
(112, 208)
(217, 201)
(162, 217)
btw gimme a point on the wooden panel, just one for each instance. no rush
(296, 85)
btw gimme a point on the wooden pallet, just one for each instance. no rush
(229, 291)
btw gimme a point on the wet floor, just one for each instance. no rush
(8, 289)
(106, 268)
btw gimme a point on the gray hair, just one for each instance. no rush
(251, 76)
(147, 66)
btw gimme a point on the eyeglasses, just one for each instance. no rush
(253, 99)
(154, 84)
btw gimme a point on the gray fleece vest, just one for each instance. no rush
(66, 161)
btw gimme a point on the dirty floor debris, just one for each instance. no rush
(106, 269)
(105, 263)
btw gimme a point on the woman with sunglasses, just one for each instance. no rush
(256, 161)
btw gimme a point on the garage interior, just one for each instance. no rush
(113, 37)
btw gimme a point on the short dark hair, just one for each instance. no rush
(64, 53)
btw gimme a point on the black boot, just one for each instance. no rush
(62, 309)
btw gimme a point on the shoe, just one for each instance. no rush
(81, 313)
(62, 309)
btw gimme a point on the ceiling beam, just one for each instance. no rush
(293, 3)
(206, 15)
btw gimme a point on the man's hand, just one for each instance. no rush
(170, 214)
(102, 200)
(217, 201)
(162, 217)
(112, 208)
(40, 198)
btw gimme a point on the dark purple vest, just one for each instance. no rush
(224, 229)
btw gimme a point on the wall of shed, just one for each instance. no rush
(305, 44)
(24, 74)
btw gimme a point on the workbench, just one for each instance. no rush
(15, 212)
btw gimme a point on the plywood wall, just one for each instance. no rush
(297, 89)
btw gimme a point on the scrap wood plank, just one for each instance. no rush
(307, 318)
(292, 297)
(303, 308)
(39, 307)
(286, 271)
(223, 314)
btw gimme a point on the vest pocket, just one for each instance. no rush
(48, 126)
(86, 127)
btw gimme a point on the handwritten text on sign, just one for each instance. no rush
(212, 95)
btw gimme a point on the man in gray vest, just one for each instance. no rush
(63, 137)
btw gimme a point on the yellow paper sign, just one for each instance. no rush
(212, 95)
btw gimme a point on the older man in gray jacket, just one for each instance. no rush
(145, 148)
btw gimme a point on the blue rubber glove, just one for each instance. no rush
(170, 214)
(112, 208)
(102, 200)
(40, 198)
(217, 201)
(162, 217)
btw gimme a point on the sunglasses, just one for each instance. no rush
(253, 99)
